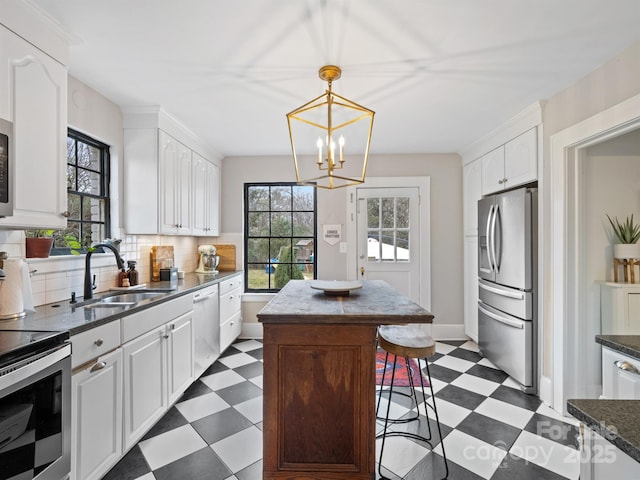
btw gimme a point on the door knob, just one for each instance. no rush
(362, 271)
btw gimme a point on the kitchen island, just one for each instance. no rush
(319, 378)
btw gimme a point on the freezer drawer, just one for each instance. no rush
(507, 342)
(509, 300)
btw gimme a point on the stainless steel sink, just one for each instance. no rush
(130, 297)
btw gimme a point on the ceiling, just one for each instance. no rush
(439, 74)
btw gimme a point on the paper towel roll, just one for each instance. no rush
(15, 289)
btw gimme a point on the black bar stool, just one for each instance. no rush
(408, 341)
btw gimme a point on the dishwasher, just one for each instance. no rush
(206, 322)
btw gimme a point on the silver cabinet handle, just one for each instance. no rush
(98, 366)
(502, 293)
(98, 342)
(626, 366)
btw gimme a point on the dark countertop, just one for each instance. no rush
(375, 303)
(618, 421)
(627, 344)
(63, 316)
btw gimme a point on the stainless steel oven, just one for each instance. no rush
(35, 410)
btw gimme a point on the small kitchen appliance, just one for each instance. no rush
(208, 259)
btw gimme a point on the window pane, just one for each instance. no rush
(373, 212)
(303, 198)
(281, 224)
(258, 277)
(373, 245)
(71, 177)
(281, 198)
(259, 224)
(388, 213)
(258, 250)
(88, 157)
(73, 204)
(402, 212)
(388, 245)
(402, 244)
(71, 151)
(88, 182)
(93, 209)
(258, 198)
(303, 223)
(278, 249)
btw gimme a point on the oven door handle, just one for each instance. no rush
(30, 366)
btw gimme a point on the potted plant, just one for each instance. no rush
(38, 243)
(627, 234)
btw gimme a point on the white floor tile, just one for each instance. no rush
(471, 453)
(546, 410)
(443, 348)
(505, 412)
(257, 381)
(454, 363)
(438, 384)
(147, 476)
(237, 360)
(511, 383)
(487, 363)
(470, 345)
(449, 413)
(548, 454)
(240, 450)
(170, 446)
(252, 409)
(400, 454)
(247, 345)
(201, 406)
(475, 384)
(221, 380)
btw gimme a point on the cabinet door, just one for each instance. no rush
(602, 460)
(180, 355)
(471, 287)
(96, 417)
(521, 159)
(34, 98)
(493, 171)
(199, 167)
(145, 397)
(213, 200)
(472, 192)
(620, 376)
(175, 186)
(184, 191)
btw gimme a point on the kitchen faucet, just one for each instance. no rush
(88, 284)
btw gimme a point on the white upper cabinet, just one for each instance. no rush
(33, 95)
(472, 192)
(206, 197)
(512, 164)
(175, 186)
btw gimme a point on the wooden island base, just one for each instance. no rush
(319, 379)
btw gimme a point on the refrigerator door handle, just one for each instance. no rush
(503, 293)
(494, 221)
(500, 319)
(489, 239)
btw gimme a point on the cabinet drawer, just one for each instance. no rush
(91, 344)
(229, 331)
(231, 284)
(620, 376)
(141, 322)
(230, 304)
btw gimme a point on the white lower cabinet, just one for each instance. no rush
(230, 311)
(158, 368)
(602, 460)
(96, 410)
(620, 376)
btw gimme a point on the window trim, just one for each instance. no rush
(246, 212)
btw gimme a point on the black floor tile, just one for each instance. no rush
(221, 425)
(252, 472)
(465, 354)
(460, 396)
(432, 467)
(491, 431)
(553, 429)
(130, 467)
(230, 351)
(516, 397)
(250, 370)
(443, 374)
(240, 392)
(516, 468)
(196, 389)
(201, 465)
(258, 353)
(172, 419)
(488, 373)
(217, 367)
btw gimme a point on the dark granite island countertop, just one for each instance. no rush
(319, 378)
(627, 344)
(618, 421)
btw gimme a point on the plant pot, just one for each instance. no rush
(626, 250)
(38, 247)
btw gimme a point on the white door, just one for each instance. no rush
(388, 237)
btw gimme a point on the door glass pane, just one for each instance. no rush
(373, 246)
(388, 245)
(402, 245)
(402, 212)
(388, 213)
(373, 212)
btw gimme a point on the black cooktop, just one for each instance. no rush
(16, 345)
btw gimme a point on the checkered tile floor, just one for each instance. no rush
(491, 429)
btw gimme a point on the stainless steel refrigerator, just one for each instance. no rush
(507, 263)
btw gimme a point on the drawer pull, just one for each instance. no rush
(626, 366)
(98, 342)
(98, 366)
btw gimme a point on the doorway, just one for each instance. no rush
(388, 221)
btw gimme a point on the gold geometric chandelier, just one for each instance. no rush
(333, 135)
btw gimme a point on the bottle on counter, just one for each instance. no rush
(132, 273)
(122, 275)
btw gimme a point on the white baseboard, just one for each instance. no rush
(251, 330)
(448, 332)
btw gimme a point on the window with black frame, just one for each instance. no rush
(87, 195)
(280, 234)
